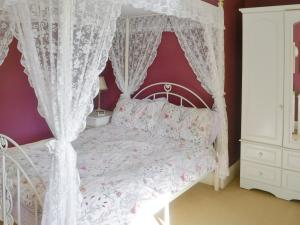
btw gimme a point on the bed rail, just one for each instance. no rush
(11, 183)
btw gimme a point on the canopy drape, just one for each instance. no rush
(204, 49)
(6, 35)
(65, 46)
(203, 46)
(196, 10)
(144, 38)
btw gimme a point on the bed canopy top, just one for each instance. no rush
(65, 45)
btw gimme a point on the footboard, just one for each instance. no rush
(11, 184)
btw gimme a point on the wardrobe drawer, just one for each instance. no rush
(291, 180)
(261, 173)
(269, 155)
(291, 160)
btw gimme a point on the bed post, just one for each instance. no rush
(126, 72)
(217, 179)
(221, 3)
(167, 214)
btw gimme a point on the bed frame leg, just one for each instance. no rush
(216, 180)
(167, 214)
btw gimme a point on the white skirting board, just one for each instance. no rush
(234, 172)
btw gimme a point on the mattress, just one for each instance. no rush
(126, 174)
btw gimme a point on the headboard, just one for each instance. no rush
(168, 90)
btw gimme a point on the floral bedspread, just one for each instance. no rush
(126, 174)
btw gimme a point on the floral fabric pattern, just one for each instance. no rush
(135, 113)
(190, 124)
(126, 174)
(199, 125)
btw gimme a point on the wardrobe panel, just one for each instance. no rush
(263, 68)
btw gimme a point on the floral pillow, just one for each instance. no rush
(190, 124)
(135, 113)
(199, 126)
(169, 122)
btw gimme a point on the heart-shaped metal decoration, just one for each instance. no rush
(168, 87)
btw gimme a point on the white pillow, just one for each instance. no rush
(135, 113)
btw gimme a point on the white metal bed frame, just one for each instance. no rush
(167, 90)
(7, 197)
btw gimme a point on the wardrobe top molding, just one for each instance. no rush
(270, 9)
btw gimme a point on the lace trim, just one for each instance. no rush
(6, 36)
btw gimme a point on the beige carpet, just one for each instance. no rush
(232, 206)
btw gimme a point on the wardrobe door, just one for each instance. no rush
(292, 80)
(263, 68)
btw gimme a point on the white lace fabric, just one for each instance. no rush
(65, 46)
(6, 35)
(144, 38)
(203, 46)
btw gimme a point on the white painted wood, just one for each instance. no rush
(127, 39)
(279, 192)
(291, 160)
(263, 63)
(260, 153)
(167, 215)
(265, 174)
(281, 8)
(270, 154)
(291, 180)
(216, 180)
(290, 141)
(95, 120)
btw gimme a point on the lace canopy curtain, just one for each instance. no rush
(196, 10)
(65, 47)
(144, 38)
(204, 48)
(5, 34)
(203, 45)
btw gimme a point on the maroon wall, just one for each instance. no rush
(169, 65)
(233, 74)
(20, 120)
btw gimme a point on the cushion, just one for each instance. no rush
(199, 126)
(135, 113)
(169, 121)
(189, 124)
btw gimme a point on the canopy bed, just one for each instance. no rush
(65, 46)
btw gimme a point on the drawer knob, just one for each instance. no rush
(260, 154)
(261, 173)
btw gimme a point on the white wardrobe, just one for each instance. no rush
(270, 143)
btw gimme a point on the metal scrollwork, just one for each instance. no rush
(3, 144)
(168, 87)
(9, 204)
